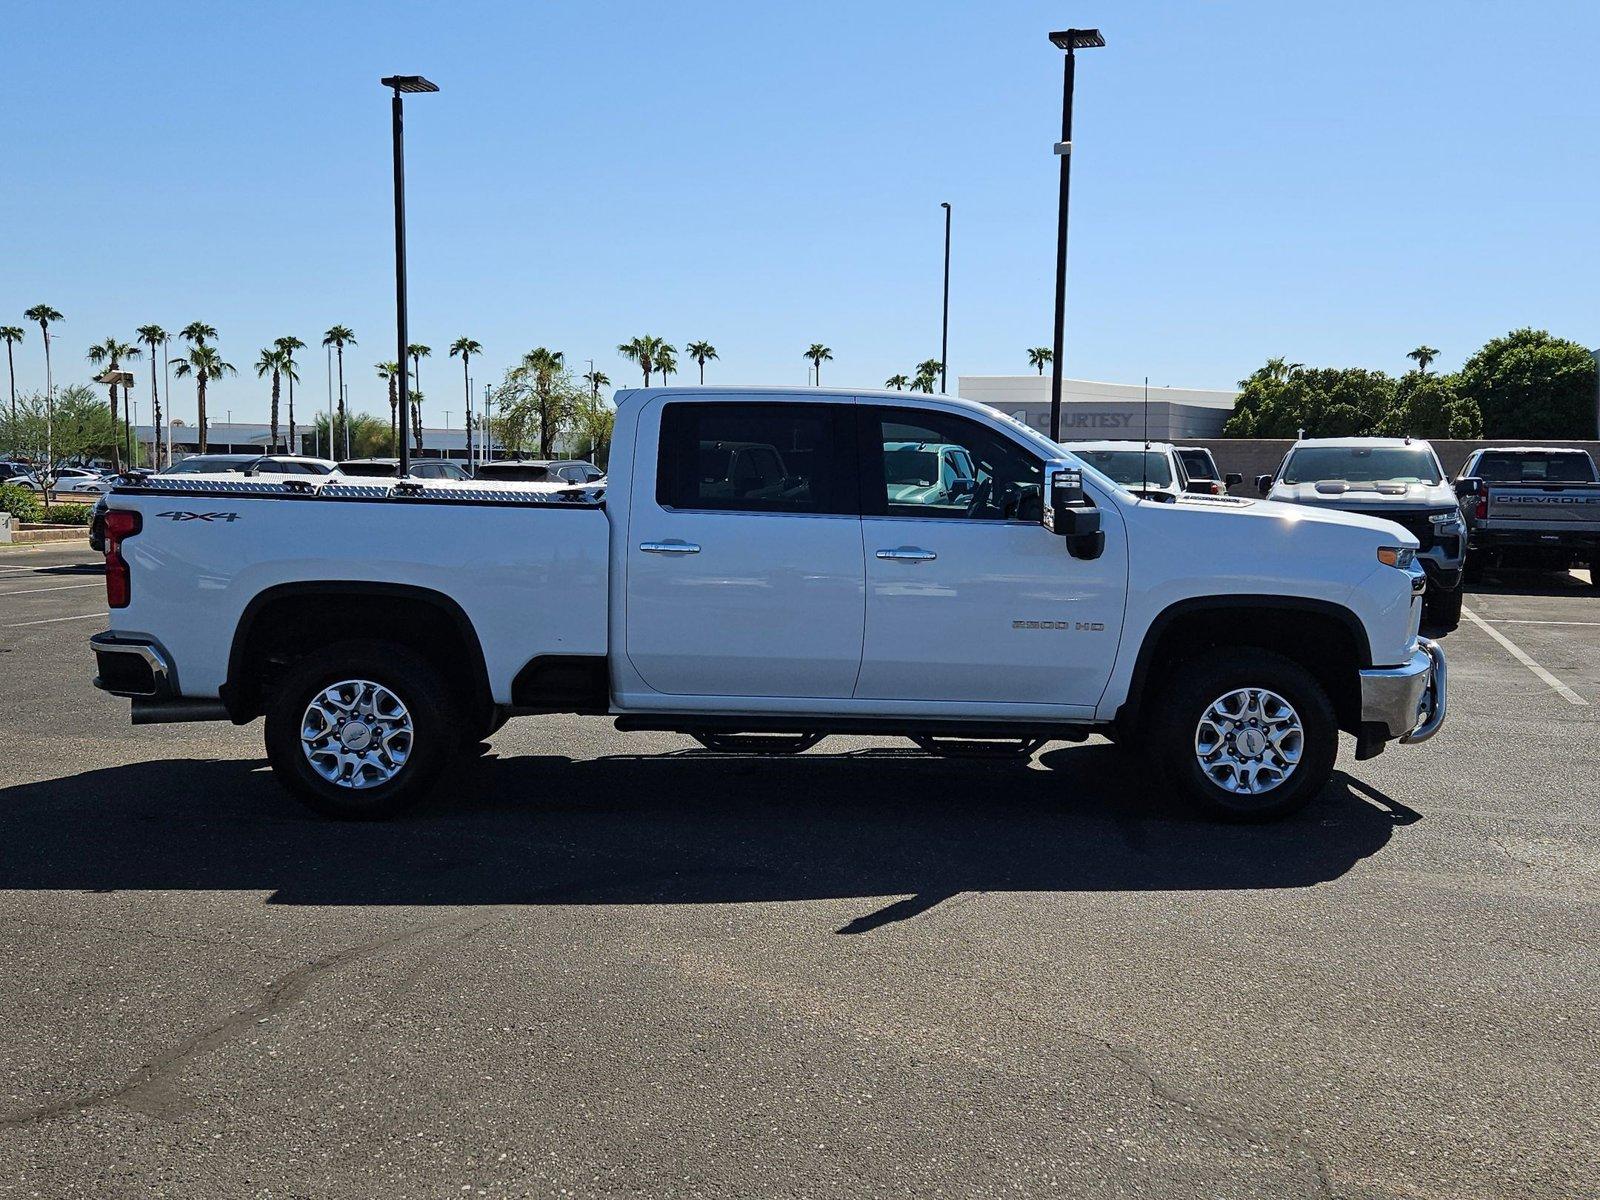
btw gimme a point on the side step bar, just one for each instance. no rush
(162, 712)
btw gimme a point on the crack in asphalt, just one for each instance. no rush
(283, 992)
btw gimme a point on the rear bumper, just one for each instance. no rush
(1407, 702)
(1483, 537)
(137, 666)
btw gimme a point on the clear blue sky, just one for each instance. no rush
(1333, 183)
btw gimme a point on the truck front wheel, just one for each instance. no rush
(1442, 609)
(1245, 734)
(360, 730)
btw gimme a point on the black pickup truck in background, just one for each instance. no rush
(1531, 506)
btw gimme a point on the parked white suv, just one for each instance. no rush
(380, 626)
(1152, 470)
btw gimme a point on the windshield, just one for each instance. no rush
(201, 465)
(1503, 467)
(1131, 468)
(1361, 464)
(1198, 464)
(920, 467)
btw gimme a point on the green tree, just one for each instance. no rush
(1041, 357)
(666, 361)
(339, 336)
(271, 363)
(897, 382)
(642, 350)
(111, 352)
(927, 375)
(818, 354)
(368, 438)
(465, 347)
(198, 333)
(11, 335)
(1422, 356)
(544, 371)
(205, 364)
(44, 315)
(596, 380)
(702, 353)
(593, 421)
(1529, 384)
(1428, 406)
(1281, 398)
(416, 352)
(154, 337)
(390, 371)
(291, 373)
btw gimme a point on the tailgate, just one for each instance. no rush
(1564, 505)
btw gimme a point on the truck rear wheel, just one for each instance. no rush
(360, 730)
(1245, 734)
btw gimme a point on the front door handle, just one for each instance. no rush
(669, 547)
(908, 554)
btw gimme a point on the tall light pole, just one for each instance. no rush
(944, 325)
(402, 84)
(1070, 40)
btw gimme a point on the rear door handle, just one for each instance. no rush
(908, 554)
(674, 546)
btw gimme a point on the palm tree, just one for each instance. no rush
(155, 337)
(391, 372)
(818, 354)
(271, 363)
(416, 352)
(666, 361)
(642, 350)
(198, 332)
(11, 335)
(339, 336)
(205, 364)
(1041, 357)
(543, 366)
(112, 352)
(289, 345)
(44, 314)
(927, 372)
(466, 348)
(897, 382)
(1422, 356)
(702, 353)
(597, 380)
(416, 419)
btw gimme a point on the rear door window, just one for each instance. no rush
(755, 458)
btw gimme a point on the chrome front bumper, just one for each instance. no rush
(1407, 702)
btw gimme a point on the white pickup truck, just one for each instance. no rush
(753, 576)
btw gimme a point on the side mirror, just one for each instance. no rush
(1264, 484)
(961, 487)
(1469, 487)
(1232, 479)
(1069, 513)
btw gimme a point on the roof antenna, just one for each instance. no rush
(1145, 457)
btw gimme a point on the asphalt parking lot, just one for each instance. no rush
(606, 964)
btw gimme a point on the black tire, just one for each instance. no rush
(420, 687)
(1190, 691)
(1442, 610)
(1473, 570)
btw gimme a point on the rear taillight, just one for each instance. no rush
(119, 527)
(1482, 509)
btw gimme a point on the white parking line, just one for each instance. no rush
(1511, 621)
(53, 620)
(1516, 652)
(66, 587)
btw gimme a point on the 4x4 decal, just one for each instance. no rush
(196, 516)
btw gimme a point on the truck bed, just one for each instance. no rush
(527, 568)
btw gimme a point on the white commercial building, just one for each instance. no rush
(1104, 410)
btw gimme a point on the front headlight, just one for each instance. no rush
(1397, 556)
(1447, 523)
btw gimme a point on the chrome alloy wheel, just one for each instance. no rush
(356, 733)
(1249, 741)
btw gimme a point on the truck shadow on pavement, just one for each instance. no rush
(688, 828)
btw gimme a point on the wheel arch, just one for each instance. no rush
(1328, 639)
(285, 622)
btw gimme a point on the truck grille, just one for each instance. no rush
(1415, 523)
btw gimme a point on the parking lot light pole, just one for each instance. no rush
(944, 324)
(1070, 40)
(402, 84)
